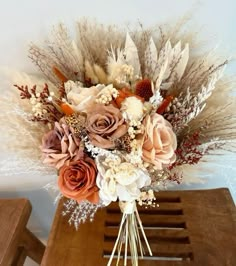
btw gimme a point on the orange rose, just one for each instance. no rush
(78, 180)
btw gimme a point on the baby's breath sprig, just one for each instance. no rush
(135, 127)
(147, 199)
(107, 95)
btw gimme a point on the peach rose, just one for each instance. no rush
(78, 181)
(104, 125)
(159, 141)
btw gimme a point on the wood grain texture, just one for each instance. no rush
(20, 257)
(14, 215)
(16, 241)
(32, 245)
(190, 227)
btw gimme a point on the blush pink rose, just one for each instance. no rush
(159, 141)
(105, 124)
(78, 181)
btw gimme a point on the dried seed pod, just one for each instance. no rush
(144, 89)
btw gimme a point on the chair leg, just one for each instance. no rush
(32, 245)
(20, 257)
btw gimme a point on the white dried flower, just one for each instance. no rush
(33, 100)
(135, 156)
(155, 100)
(123, 183)
(72, 85)
(132, 108)
(119, 180)
(120, 74)
(106, 94)
(37, 109)
(147, 198)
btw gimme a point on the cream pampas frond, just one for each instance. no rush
(20, 138)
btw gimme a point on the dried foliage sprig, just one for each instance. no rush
(188, 151)
(43, 109)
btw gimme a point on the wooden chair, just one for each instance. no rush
(189, 228)
(16, 241)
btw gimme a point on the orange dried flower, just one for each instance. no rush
(144, 89)
(59, 74)
(165, 104)
(123, 94)
(66, 109)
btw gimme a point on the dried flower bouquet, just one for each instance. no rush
(120, 115)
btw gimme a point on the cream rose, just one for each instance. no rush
(121, 181)
(80, 98)
(159, 141)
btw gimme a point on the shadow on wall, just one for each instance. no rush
(43, 209)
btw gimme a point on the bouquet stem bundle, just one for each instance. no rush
(129, 235)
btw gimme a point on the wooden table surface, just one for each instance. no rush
(192, 227)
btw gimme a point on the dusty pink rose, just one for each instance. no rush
(159, 141)
(78, 180)
(59, 146)
(104, 125)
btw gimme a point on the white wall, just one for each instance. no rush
(30, 20)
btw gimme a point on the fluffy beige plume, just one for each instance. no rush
(95, 39)
(19, 136)
(90, 74)
(100, 73)
(218, 119)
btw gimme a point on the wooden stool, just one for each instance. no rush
(189, 228)
(16, 241)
